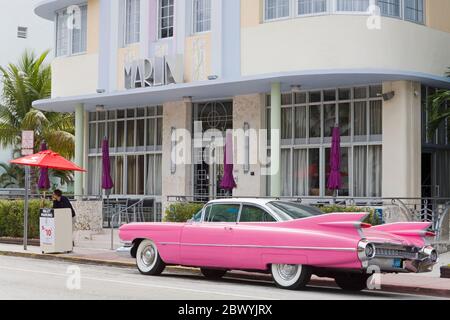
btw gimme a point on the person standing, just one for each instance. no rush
(62, 202)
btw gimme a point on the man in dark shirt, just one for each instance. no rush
(61, 202)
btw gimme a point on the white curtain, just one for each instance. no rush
(375, 167)
(390, 7)
(300, 123)
(286, 123)
(276, 9)
(154, 175)
(360, 119)
(353, 5)
(359, 171)
(414, 10)
(285, 168)
(300, 172)
(376, 117)
(311, 6)
(79, 35)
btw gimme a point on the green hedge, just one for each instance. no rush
(11, 218)
(182, 212)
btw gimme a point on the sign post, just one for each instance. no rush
(27, 149)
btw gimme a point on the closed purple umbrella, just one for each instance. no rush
(228, 182)
(44, 180)
(107, 183)
(335, 179)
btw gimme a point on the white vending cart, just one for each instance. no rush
(55, 227)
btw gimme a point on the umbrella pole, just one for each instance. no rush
(25, 207)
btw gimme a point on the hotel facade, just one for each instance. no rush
(136, 70)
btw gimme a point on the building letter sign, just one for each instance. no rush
(147, 73)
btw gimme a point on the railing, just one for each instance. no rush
(434, 210)
(134, 207)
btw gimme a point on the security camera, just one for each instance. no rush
(387, 96)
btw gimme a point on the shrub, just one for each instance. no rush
(182, 212)
(11, 218)
(373, 218)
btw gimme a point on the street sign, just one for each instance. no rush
(27, 142)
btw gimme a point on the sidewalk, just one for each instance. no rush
(422, 284)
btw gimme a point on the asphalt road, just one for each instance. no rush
(22, 278)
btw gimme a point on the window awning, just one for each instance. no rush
(217, 89)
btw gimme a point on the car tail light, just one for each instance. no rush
(365, 225)
(430, 234)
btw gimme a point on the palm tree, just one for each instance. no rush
(24, 83)
(11, 176)
(438, 110)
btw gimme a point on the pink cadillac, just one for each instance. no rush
(290, 240)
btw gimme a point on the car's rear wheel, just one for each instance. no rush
(148, 259)
(352, 281)
(213, 273)
(291, 277)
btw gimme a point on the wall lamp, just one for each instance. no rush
(387, 96)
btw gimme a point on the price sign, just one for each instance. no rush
(27, 143)
(47, 227)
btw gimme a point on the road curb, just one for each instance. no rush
(442, 293)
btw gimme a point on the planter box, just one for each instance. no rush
(445, 272)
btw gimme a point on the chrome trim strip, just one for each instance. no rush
(256, 246)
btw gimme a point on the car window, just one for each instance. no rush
(222, 213)
(291, 211)
(255, 214)
(198, 216)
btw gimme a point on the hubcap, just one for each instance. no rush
(148, 256)
(287, 271)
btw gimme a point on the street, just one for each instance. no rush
(23, 278)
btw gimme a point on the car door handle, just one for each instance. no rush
(228, 228)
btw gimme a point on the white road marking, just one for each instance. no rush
(139, 284)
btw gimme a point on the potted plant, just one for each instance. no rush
(445, 272)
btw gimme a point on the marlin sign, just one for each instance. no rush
(149, 73)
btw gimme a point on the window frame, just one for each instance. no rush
(424, 5)
(210, 205)
(125, 25)
(401, 10)
(275, 218)
(289, 16)
(323, 142)
(69, 49)
(323, 13)
(159, 19)
(332, 10)
(194, 19)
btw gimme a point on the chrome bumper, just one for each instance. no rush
(124, 251)
(401, 259)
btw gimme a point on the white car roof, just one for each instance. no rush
(258, 201)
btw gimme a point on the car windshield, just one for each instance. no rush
(292, 211)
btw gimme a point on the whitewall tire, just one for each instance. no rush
(291, 277)
(148, 259)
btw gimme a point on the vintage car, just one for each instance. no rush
(287, 239)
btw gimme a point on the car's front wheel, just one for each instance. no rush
(148, 259)
(291, 277)
(352, 281)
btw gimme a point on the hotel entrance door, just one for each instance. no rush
(207, 152)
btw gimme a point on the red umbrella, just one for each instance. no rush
(43, 159)
(48, 159)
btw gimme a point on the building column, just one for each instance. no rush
(275, 140)
(176, 176)
(402, 142)
(79, 147)
(251, 110)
